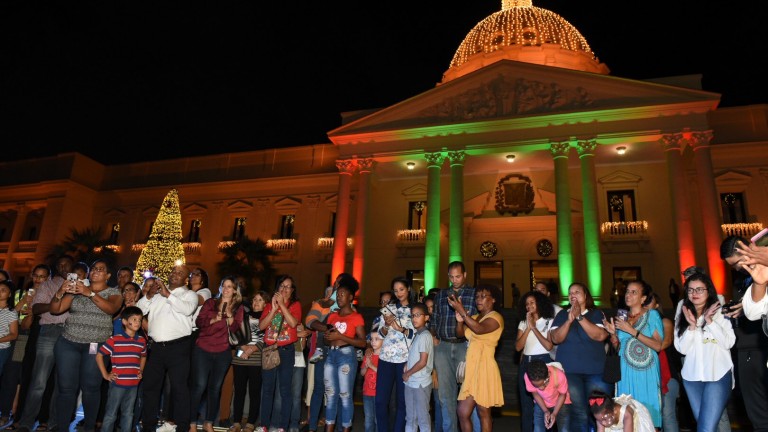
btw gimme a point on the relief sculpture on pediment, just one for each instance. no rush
(504, 96)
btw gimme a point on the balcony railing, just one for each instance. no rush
(746, 230)
(138, 247)
(192, 248)
(113, 247)
(324, 243)
(281, 245)
(629, 230)
(411, 237)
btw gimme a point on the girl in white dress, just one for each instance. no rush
(619, 414)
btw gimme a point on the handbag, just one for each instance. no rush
(460, 370)
(242, 336)
(270, 358)
(612, 368)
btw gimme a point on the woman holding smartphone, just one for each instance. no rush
(397, 333)
(638, 339)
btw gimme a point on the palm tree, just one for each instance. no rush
(85, 245)
(249, 259)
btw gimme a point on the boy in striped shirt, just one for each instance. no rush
(128, 352)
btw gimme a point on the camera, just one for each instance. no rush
(727, 309)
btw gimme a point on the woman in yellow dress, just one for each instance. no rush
(482, 380)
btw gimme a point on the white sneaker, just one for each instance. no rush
(167, 427)
(316, 356)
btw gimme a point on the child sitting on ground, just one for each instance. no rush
(549, 387)
(619, 414)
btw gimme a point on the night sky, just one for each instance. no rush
(129, 81)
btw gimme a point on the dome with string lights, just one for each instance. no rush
(523, 32)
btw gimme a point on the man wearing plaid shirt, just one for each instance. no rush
(449, 349)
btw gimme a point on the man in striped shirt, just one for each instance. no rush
(128, 353)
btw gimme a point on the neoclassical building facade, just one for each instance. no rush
(528, 161)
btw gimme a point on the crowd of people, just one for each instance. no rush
(156, 356)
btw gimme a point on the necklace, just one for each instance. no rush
(635, 316)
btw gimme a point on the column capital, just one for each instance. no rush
(457, 157)
(672, 142)
(560, 149)
(586, 147)
(365, 165)
(346, 166)
(434, 159)
(699, 139)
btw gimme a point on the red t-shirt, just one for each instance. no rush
(369, 381)
(347, 324)
(287, 334)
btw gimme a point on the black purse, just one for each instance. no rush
(242, 336)
(612, 368)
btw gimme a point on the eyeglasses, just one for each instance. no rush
(418, 315)
(195, 274)
(545, 384)
(285, 286)
(696, 290)
(99, 270)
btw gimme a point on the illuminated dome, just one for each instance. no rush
(523, 32)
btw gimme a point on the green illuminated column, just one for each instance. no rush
(456, 230)
(591, 223)
(432, 246)
(678, 190)
(563, 201)
(710, 207)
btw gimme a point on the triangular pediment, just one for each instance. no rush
(525, 99)
(195, 208)
(733, 179)
(239, 205)
(417, 191)
(620, 178)
(114, 213)
(287, 203)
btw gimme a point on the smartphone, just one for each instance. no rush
(31, 292)
(72, 277)
(239, 353)
(622, 314)
(386, 311)
(760, 238)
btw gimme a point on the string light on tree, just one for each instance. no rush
(163, 250)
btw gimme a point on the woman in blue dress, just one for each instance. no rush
(638, 339)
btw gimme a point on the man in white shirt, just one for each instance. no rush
(169, 328)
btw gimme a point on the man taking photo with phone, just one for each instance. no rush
(449, 349)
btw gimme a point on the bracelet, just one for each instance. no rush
(637, 334)
(60, 296)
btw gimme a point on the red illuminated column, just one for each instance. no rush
(710, 209)
(364, 167)
(346, 169)
(678, 190)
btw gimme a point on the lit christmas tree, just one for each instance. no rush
(163, 250)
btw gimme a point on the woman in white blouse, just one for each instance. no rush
(536, 314)
(705, 337)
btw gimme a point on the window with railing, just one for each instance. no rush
(114, 234)
(733, 207)
(238, 231)
(194, 231)
(621, 206)
(286, 226)
(417, 213)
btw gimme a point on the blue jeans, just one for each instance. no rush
(562, 419)
(389, 376)
(44, 364)
(526, 400)
(708, 399)
(122, 399)
(208, 371)
(340, 374)
(447, 357)
(76, 370)
(297, 382)
(438, 411)
(318, 391)
(270, 383)
(369, 412)
(580, 386)
(669, 405)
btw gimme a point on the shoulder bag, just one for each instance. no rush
(242, 336)
(270, 358)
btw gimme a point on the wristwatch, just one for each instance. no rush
(579, 318)
(92, 295)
